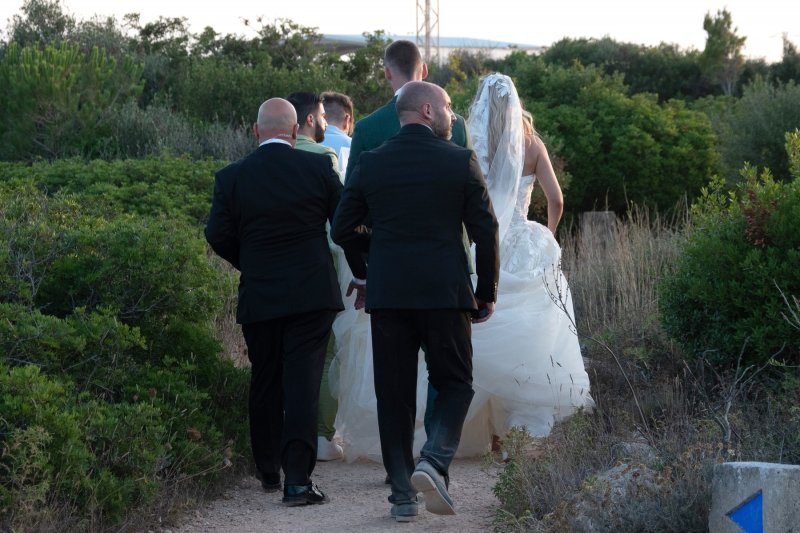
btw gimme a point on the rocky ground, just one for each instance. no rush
(358, 503)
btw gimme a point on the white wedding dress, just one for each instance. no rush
(528, 370)
(527, 365)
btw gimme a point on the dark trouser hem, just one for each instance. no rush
(287, 356)
(396, 339)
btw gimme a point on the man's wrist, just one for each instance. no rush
(358, 281)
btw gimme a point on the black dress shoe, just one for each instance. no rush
(303, 495)
(269, 482)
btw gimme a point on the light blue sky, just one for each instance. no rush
(523, 21)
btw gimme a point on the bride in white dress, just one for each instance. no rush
(527, 366)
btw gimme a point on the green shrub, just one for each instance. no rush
(196, 442)
(158, 130)
(55, 99)
(723, 297)
(619, 149)
(173, 187)
(95, 349)
(752, 129)
(93, 458)
(112, 390)
(154, 275)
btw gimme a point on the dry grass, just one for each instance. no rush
(647, 399)
(229, 333)
(614, 274)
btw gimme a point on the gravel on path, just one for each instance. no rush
(358, 503)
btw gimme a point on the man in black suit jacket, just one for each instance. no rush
(421, 191)
(268, 220)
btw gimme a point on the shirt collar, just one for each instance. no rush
(334, 130)
(275, 140)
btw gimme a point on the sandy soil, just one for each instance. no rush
(358, 503)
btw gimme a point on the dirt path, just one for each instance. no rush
(358, 503)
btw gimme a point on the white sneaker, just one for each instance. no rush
(328, 450)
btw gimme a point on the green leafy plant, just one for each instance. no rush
(722, 294)
(112, 388)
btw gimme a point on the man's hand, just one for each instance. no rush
(361, 293)
(485, 311)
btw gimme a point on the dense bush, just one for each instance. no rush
(111, 385)
(55, 100)
(752, 129)
(724, 296)
(158, 130)
(155, 187)
(618, 149)
(664, 69)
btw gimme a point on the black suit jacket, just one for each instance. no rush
(419, 190)
(268, 219)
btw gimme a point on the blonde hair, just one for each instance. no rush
(527, 123)
(498, 104)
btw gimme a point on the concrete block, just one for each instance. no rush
(755, 498)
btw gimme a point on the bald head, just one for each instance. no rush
(276, 118)
(421, 102)
(415, 95)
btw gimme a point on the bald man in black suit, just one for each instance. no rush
(421, 191)
(268, 220)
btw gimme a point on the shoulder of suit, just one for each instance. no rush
(376, 117)
(235, 166)
(323, 157)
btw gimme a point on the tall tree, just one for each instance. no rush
(722, 58)
(789, 67)
(41, 22)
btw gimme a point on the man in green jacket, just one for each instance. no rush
(311, 118)
(402, 63)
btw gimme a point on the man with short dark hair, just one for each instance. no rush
(402, 63)
(312, 124)
(312, 127)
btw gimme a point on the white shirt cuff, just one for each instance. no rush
(359, 281)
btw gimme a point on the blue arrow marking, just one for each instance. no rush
(749, 516)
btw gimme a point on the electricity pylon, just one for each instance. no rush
(427, 27)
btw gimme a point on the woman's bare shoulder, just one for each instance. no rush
(532, 150)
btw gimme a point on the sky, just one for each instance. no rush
(531, 22)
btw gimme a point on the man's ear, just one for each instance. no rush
(387, 73)
(424, 70)
(255, 129)
(294, 131)
(309, 120)
(427, 111)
